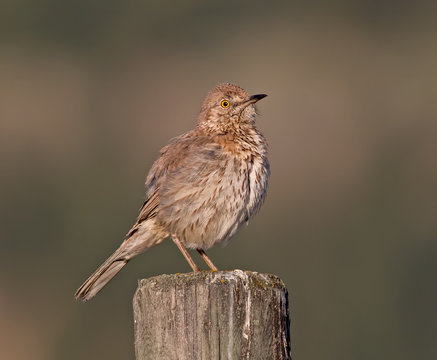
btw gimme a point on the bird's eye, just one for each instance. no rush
(224, 103)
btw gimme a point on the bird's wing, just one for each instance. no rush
(149, 208)
(171, 157)
(147, 211)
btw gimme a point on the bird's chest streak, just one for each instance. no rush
(233, 193)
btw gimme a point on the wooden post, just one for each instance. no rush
(212, 315)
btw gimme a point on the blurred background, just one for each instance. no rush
(91, 90)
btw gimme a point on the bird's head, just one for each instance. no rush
(228, 106)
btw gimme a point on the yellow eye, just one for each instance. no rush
(224, 103)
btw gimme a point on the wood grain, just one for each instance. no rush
(212, 315)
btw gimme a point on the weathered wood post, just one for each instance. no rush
(212, 315)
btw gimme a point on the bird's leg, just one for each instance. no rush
(207, 260)
(185, 253)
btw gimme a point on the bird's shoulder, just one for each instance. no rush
(185, 150)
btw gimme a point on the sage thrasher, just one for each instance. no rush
(204, 186)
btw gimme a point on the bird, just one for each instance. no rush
(205, 185)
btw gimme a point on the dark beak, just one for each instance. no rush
(254, 98)
(257, 97)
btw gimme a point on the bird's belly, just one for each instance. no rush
(209, 212)
(217, 215)
(210, 209)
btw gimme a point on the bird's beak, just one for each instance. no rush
(253, 99)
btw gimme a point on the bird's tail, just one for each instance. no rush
(102, 275)
(142, 236)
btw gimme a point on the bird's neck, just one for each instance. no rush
(245, 138)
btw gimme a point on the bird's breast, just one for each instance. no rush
(213, 205)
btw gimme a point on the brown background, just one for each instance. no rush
(90, 91)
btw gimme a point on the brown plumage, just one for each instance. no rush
(204, 186)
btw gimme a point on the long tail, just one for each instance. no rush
(102, 275)
(143, 236)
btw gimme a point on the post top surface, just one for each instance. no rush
(214, 277)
